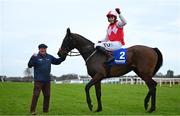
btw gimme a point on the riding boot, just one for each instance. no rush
(108, 55)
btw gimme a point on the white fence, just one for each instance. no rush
(170, 81)
(124, 80)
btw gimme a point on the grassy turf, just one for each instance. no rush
(15, 98)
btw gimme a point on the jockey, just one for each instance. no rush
(114, 39)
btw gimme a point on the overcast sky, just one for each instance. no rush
(26, 23)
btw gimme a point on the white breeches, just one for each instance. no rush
(110, 45)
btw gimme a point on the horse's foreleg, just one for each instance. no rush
(88, 98)
(94, 80)
(98, 95)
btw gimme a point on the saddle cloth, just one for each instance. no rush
(120, 56)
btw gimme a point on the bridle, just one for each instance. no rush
(68, 51)
(85, 50)
(71, 53)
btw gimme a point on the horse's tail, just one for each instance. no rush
(159, 61)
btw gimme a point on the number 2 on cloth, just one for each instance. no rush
(122, 55)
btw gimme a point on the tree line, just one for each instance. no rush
(28, 76)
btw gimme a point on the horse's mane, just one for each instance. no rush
(81, 37)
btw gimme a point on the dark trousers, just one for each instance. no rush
(45, 87)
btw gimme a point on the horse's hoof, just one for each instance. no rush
(152, 110)
(146, 106)
(90, 107)
(99, 110)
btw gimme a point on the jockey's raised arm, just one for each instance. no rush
(122, 22)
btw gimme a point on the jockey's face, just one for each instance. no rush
(42, 51)
(111, 19)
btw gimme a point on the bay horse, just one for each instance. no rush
(144, 61)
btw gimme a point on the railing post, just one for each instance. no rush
(160, 82)
(170, 83)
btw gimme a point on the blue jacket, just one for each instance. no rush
(42, 66)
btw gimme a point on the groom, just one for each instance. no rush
(42, 68)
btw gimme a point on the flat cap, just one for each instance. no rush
(42, 46)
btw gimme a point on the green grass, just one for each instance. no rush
(15, 98)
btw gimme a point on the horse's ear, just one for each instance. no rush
(68, 31)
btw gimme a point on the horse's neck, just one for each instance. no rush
(84, 46)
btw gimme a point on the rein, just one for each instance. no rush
(73, 53)
(90, 55)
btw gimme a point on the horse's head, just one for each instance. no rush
(67, 44)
